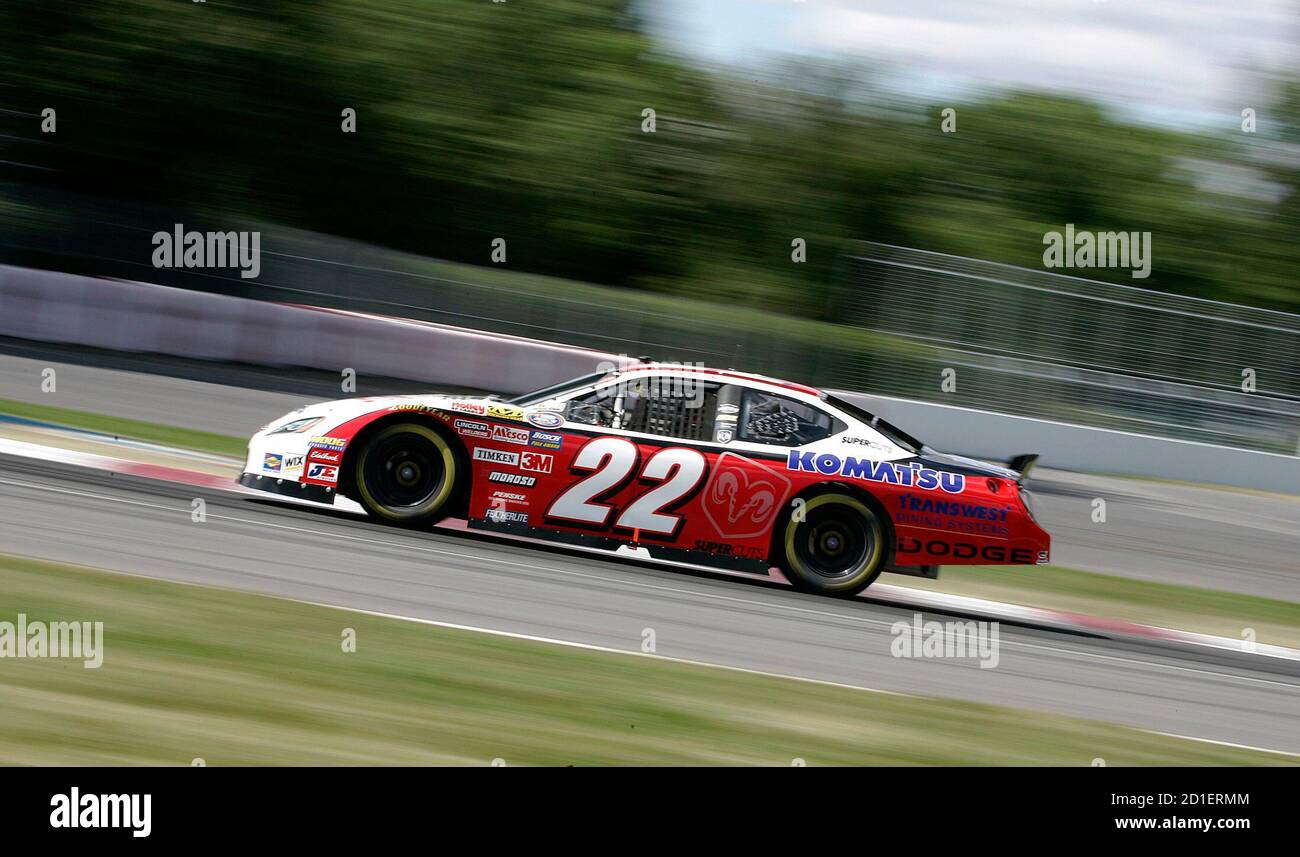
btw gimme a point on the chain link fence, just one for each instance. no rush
(1046, 345)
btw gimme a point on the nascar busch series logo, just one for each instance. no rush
(742, 496)
(912, 474)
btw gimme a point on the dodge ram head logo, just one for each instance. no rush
(742, 496)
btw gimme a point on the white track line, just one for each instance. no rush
(774, 606)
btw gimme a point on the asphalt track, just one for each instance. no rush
(1227, 539)
(139, 526)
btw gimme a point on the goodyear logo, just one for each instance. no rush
(911, 474)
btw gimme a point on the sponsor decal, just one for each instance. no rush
(510, 434)
(546, 419)
(742, 496)
(293, 463)
(728, 408)
(538, 462)
(417, 409)
(326, 455)
(272, 463)
(469, 408)
(502, 516)
(546, 440)
(725, 549)
(324, 442)
(864, 441)
(472, 428)
(723, 435)
(952, 508)
(912, 474)
(505, 412)
(323, 472)
(496, 456)
(507, 497)
(965, 550)
(512, 479)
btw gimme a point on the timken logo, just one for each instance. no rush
(912, 474)
(75, 809)
(496, 456)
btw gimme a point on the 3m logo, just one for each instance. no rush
(742, 497)
(538, 462)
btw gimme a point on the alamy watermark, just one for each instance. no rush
(194, 249)
(1083, 249)
(971, 639)
(24, 639)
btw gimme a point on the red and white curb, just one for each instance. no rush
(884, 593)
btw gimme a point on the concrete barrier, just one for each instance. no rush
(998, 437)
(128, 316)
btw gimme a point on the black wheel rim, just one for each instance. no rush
(404, 470)
(833, 542)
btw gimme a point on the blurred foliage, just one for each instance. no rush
(479, 120)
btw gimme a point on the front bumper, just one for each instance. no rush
(288, 488)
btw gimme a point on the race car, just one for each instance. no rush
(710, 468)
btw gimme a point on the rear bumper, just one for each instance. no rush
(287, 488)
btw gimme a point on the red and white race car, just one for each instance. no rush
(687, 466)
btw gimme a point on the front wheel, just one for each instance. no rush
(406, 474)
(834, 546)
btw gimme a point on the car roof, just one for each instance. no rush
(722, 374)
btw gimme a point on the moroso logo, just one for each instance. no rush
(911, 474)
(512, 479)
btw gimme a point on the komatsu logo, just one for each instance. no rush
(912, 474)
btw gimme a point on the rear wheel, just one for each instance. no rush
(406, 474)
(836, 546)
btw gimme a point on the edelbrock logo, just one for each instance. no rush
(912, 474)
(181, 249)
(91, 810)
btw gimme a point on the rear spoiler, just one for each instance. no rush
(1022, 464)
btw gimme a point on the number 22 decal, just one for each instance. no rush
(612, 461)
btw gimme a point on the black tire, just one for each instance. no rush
(407, 474)
(836, 546)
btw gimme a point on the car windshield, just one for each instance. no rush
(893, 432)
(557, 389)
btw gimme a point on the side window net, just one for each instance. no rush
(669, 414)
(768, 418)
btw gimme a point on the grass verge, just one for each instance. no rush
(1187, 608)
(190, 672)
(201, 441)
